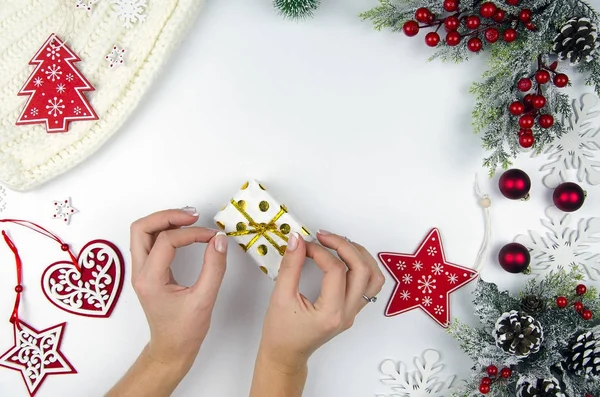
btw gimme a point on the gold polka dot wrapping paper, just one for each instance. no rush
(260, 225)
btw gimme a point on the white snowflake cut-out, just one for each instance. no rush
(562, 245)
(85, 4)
(578, 149)
(130, 11)
(116, 57)
(424, 381)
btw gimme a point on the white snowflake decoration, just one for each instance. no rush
(116, 57)
(130, 11)
(562, 246)
(2, 199)
(85, 4)
(63, 210)
(424, 381)
(577, 148)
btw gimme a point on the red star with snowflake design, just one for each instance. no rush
(425, 279)
(36, 354)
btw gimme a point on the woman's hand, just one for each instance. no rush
(179, 317)
(294, 327)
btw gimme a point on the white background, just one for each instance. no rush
(351, 128)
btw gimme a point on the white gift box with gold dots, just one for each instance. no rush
(260, 225)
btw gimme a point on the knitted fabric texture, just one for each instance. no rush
(29, 156)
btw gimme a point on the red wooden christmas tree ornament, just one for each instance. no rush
(55, 89)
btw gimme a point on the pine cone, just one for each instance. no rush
(577, 41)
(533, 305)
(518, 333)
(539, 388)
(583, 357)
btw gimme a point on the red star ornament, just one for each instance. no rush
(425, 280)
(36, 354)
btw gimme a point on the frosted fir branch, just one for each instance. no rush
(297, 9)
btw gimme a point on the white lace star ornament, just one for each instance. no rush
(116, 57)
(63, 210)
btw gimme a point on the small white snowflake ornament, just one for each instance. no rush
(578, 149)
(424, 381)
(63, 210)
(130, 11)
(116, 57)
(562, 245)
(85, 4)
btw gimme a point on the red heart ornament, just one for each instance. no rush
(92, 291)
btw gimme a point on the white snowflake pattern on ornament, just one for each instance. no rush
(427, 301)
(38, 81)
(61, 88)
(407, 279)
(426, 284)
(77, 110)
(401, 265)
(563, 246)
(438, 310)
(431, 251)
(130, 11)
(55, 106)
(53, 72)
(417, 265)
(452, 278)
(437, 269)
(53, 52)
(69, 77)
(405, 295)
(424, 381)
(578, 148)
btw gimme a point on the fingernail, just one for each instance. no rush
(293, 242)
(190, 210)
(221, 242)
(323, 232)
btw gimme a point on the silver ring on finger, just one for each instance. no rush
(372, 299)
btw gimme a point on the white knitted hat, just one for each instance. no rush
(29, 156)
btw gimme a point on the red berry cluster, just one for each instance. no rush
(487, 381)
(563, 302)
(533, 103)
(495, 18)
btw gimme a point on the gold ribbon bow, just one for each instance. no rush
(261, 229)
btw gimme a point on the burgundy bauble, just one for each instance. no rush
(542, 76)
(561, 80)
(538, 102)
(514, 184)
(451, 23)
(484, 389)
(525, 131)
(512, 2)
(516, 108)
(526, 140)
(510, 35)
(514, 258)
(580, 289)
(492, 370)
(432, 39)
(587, 315)
(492, 35)
(487, 9)
(411, 28)
(562, 302)
(527, 121)
(546, 121)
(451, 5)
(423, 15)
(530, 26)
(524, 84)
(473, 22)
(499, 15)
(506, 373)
(528, 99)
(475, 44)
(453, 38)
(578, 306)
(525, 15)
(486, 380)
(568, 197)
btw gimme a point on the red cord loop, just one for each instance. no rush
(14, 318)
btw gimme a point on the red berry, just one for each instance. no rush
(475, 44)
(510, 35)
(561, 80)
(516, 108)
(561, 302)
(546, 121)
(411, 28)
(525, 131)
(528, 99)
(578, 307)
(581, 289)
(506, 373)
(492, 35)
(530, 26)
(538, 102)
(492, 370)
(526, 140)
(526, 121)
(484, 389)
(451, 23)
(499, 15)
(453, 38)
(587, 315)
(423, 15)
(524, 84)
(512, 2)
(525, 15)
(451, 5)
(473, 22)
(432, 39)
(486, 381)
(542, 76)
(487, 9)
